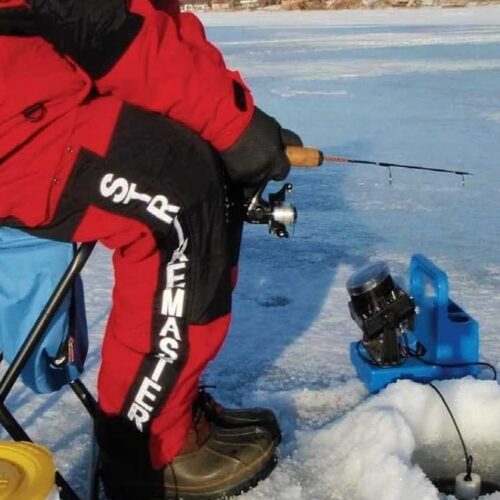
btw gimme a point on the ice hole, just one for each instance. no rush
(442, 462)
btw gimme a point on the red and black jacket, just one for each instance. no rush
(168, 67)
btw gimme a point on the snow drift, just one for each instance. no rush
(384, 447)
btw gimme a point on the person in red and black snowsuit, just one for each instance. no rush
(120, 122)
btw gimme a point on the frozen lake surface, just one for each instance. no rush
(413, 86)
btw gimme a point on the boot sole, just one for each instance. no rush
(235, 491)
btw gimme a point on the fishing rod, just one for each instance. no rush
(278, 214)
(313, 158)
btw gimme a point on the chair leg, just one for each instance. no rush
(93, 480)
(85, 397)
(91, 406)
(11, 425)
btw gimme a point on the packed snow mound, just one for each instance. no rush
(380, 448)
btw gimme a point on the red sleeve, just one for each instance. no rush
(171, 68)
(193, 32)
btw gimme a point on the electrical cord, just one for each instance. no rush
(468, 458)
(458, 365)
(420, 352)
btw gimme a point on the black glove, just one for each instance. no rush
(94, 33)
(259, 154)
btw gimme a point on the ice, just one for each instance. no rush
(493, 116)
(371, 448)
(408, 86)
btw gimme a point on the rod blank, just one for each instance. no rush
(313, 158)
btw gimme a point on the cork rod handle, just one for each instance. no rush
(304, 157)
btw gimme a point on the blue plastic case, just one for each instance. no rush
(449, 334)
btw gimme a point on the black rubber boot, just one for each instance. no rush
(229, 418)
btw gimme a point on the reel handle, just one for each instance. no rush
(304, 157)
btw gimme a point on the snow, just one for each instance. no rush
(412, 86)
(374, 447)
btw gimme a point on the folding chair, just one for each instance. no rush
(32, 361)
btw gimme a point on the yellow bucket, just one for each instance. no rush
(27, 472)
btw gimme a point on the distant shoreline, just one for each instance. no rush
(337, 5)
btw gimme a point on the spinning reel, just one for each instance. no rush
(274, 212)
